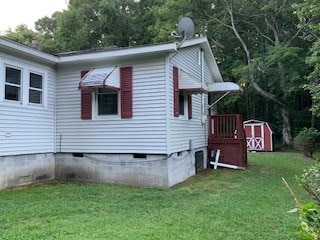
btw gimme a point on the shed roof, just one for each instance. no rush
(253, 121)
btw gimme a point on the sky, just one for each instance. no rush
(15, 12)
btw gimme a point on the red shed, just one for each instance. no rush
(259, 136)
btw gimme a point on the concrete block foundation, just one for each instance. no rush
(25, 169)
(128, 169)
(149, 170)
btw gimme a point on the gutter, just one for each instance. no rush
(10, 47)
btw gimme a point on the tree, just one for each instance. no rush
(257, 44)
(46, 28)
(98, 23)
(267, 34)
(309, 14)
(22, 34)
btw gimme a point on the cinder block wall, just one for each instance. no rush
(25, 169)
(128, 169)
(182, 166)
(113, 168)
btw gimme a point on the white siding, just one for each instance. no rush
(145, 132)
(183, 130)
(27, 129)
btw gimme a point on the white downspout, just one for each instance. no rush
(203, 110)
(204, 117)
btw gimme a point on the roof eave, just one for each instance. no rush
(27, 52)
(119, 53)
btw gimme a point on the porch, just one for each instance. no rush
(226, 133)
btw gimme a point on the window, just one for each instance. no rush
(107, 101)
(181, 104)
(35, 88)
(13, 84)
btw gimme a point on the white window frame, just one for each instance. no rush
(36, 89)
(25, 69)
(95, 106)
(20, 101)
(185, 106)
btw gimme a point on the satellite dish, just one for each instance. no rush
(186, 27)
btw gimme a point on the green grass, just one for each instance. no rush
(221, 204)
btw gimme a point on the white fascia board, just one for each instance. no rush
(118, 53)
(212, 64)
(224, 87)
(28, 52)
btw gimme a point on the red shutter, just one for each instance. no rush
(189, 106)
(126, 91)
(86, 104)
(175, 92)
(86, 101)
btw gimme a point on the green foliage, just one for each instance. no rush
(308, 12)
(307, 141)
(22, 34)
(310, 181)
(309, 214)
(309, 15)
(314, 89)
(314, 78)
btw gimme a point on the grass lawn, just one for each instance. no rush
(222, 204)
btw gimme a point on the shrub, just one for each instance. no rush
(307, 141)
(310, 181)
(309, 214)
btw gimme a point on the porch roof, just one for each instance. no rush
(222, 87)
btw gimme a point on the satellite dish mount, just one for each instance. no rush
(185, 30)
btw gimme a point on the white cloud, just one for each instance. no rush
(15, 12)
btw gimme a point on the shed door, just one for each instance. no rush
(255, 141)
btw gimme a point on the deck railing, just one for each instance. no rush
(226, 133)
(226, 126)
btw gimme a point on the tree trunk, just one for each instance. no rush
(286, 129)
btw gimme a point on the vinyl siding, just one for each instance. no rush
(145, 132)
(25, 128)
(182, 129)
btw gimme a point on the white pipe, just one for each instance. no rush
(202, 82)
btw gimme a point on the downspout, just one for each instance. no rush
(168, 104)
(203, 105)
(203, 110)
(55, 110)
(55, 120)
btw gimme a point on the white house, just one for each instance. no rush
(134, 115)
